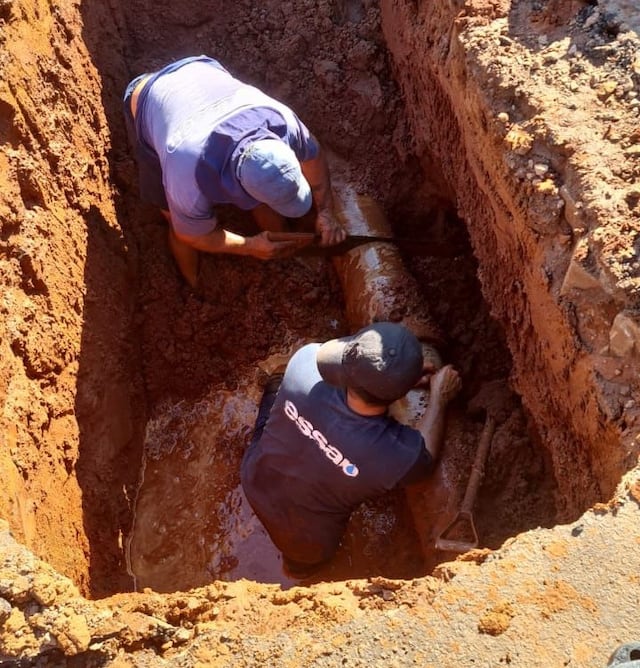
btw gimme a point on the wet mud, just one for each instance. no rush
(191, 522)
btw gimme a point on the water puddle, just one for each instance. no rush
(192, 524)
(188, 513)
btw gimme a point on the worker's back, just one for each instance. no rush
(317, 460)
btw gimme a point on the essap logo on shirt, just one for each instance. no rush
(307, 429)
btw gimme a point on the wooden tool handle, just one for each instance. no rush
(291, 236)
(477, 469)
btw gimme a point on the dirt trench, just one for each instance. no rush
(109, 360)
(199, 354)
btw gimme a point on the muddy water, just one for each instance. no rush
(192, 522)
(182, 534)
(193, 525)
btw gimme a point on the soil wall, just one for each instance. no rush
(482, 110)
(70, 407)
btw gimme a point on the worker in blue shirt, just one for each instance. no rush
(324, 441)
(203, 138)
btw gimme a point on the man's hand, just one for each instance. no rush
(329, 229)
(260, 246)
(445, 384)
(316, 171)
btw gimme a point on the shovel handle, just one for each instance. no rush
(477, 469)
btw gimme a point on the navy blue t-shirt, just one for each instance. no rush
(317, 461)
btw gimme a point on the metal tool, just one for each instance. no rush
(309, 243)
(460, 535)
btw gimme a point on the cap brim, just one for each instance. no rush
(329, 361)
(299, 206)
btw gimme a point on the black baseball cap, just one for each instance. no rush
(384, 359)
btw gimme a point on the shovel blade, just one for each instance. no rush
(454, 545)
(460, 535)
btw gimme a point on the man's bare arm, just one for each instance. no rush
(223, 241)
(445, 384)
(316, 171)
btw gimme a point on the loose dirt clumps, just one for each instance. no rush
(505, 132)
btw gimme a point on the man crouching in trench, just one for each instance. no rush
(324, 441)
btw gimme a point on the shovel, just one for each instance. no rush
(461, 535)
(310, 243)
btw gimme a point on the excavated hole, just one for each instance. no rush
(191, 523)
(202, 358)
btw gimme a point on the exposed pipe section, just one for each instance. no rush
(375, 282)
(377, 286)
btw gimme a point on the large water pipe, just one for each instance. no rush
(375, 282)
(377, 286)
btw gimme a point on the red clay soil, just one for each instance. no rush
(135, 335)
(477, 127)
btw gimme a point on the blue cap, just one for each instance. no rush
(270, 172)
